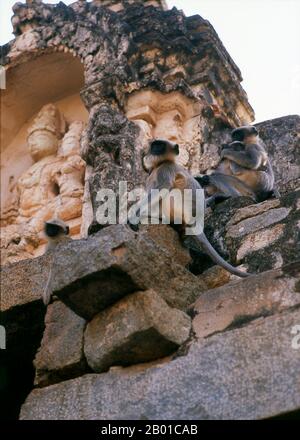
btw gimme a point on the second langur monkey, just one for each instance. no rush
(166, 174)
(244, 170)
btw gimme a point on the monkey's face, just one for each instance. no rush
(160, 150)
(161, 147)
(53, 229)
(247, 134)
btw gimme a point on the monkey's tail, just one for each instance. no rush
(218, 259)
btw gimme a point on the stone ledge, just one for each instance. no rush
(242, 301)
(248, 373)
(23, 282)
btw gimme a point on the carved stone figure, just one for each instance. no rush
(168, 116)
(52, 187)
(10, 210)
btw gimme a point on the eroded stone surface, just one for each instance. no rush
(261, 237)
(256, 223)
(60, 355)
(248, 373)
(259, 240)
(215, 276)
(167, 238)
(139, 328)
(241, 301)
(282, 138)
(23, 282)
(253, 210)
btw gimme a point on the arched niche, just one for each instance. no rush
(55, 78)
(47, 78)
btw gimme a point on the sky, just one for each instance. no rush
(262, 37)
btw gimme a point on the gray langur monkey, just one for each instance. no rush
(244, 170)
(56, 232)
(166, 174)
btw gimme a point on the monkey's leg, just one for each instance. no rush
(144, 208)
(231, 186)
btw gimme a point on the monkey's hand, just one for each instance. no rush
(247, 159)
(135, 228)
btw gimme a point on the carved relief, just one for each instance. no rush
(170, 116)
(52, 187)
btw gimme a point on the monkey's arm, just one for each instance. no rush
(250, 158)
(230, 185)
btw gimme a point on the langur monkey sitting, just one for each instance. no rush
(56, 232)
(244, 170)
(165, 174)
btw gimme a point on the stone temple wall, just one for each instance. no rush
(134, 313)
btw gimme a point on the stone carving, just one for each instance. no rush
(169, 116)
(10, 210)
(52, 187)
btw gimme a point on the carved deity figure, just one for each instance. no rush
(166, 116)
(52, 187)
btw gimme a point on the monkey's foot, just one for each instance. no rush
(203, 180)
(134, 228)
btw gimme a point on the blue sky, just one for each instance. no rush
(262, 36)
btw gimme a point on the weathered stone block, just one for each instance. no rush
(60, 356)
(23, 282)
(248, 373)
(215, 276)
(167, 238)
(239, 302)
(258, 222)
(139, 328)
(259, 240)
(90, 275)
(263, 236)
(253, 210)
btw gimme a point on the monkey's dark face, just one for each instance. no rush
(241, 133)
(53, 230)
(160, 147)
